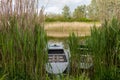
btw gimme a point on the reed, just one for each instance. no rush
(22, 40)
(23, 52)
(73, 42)
(104, 43)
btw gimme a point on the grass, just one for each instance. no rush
(104, 47)
(23, 42)
(104, 43)
(63, 29)
(73, 42)
(23, 52)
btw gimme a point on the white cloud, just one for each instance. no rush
(69, 1)
(53, 9)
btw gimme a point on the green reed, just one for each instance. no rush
(23, 51)
(73, 42)
(104, 43)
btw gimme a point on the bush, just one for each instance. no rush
(67, 19)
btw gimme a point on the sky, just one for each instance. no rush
(55, 6)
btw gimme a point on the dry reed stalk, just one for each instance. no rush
(25, 39)
(26, 12)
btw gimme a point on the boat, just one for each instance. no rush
(58, 58)
(86, 61)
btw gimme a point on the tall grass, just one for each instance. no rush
(78, 48)
(104, 43)
(23, 52)
(73, 42)
(22, 40)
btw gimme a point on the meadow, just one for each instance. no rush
(63, 29)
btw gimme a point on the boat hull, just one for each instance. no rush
(56, 68)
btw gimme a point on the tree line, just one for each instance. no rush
(98, 10)
(79, 14)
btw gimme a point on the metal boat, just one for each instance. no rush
(58, 58)
(86, 61)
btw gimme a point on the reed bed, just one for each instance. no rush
(104, 47)
(73, 41)
(63, 29)
(23, 52)
(75, 44)
(104, 43)
(23, 42)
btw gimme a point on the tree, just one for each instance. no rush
(66, 12)
(80, 12)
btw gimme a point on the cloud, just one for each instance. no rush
(69, 1)
(53, 9)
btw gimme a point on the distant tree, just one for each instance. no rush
(66, 12)
(80, 12)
